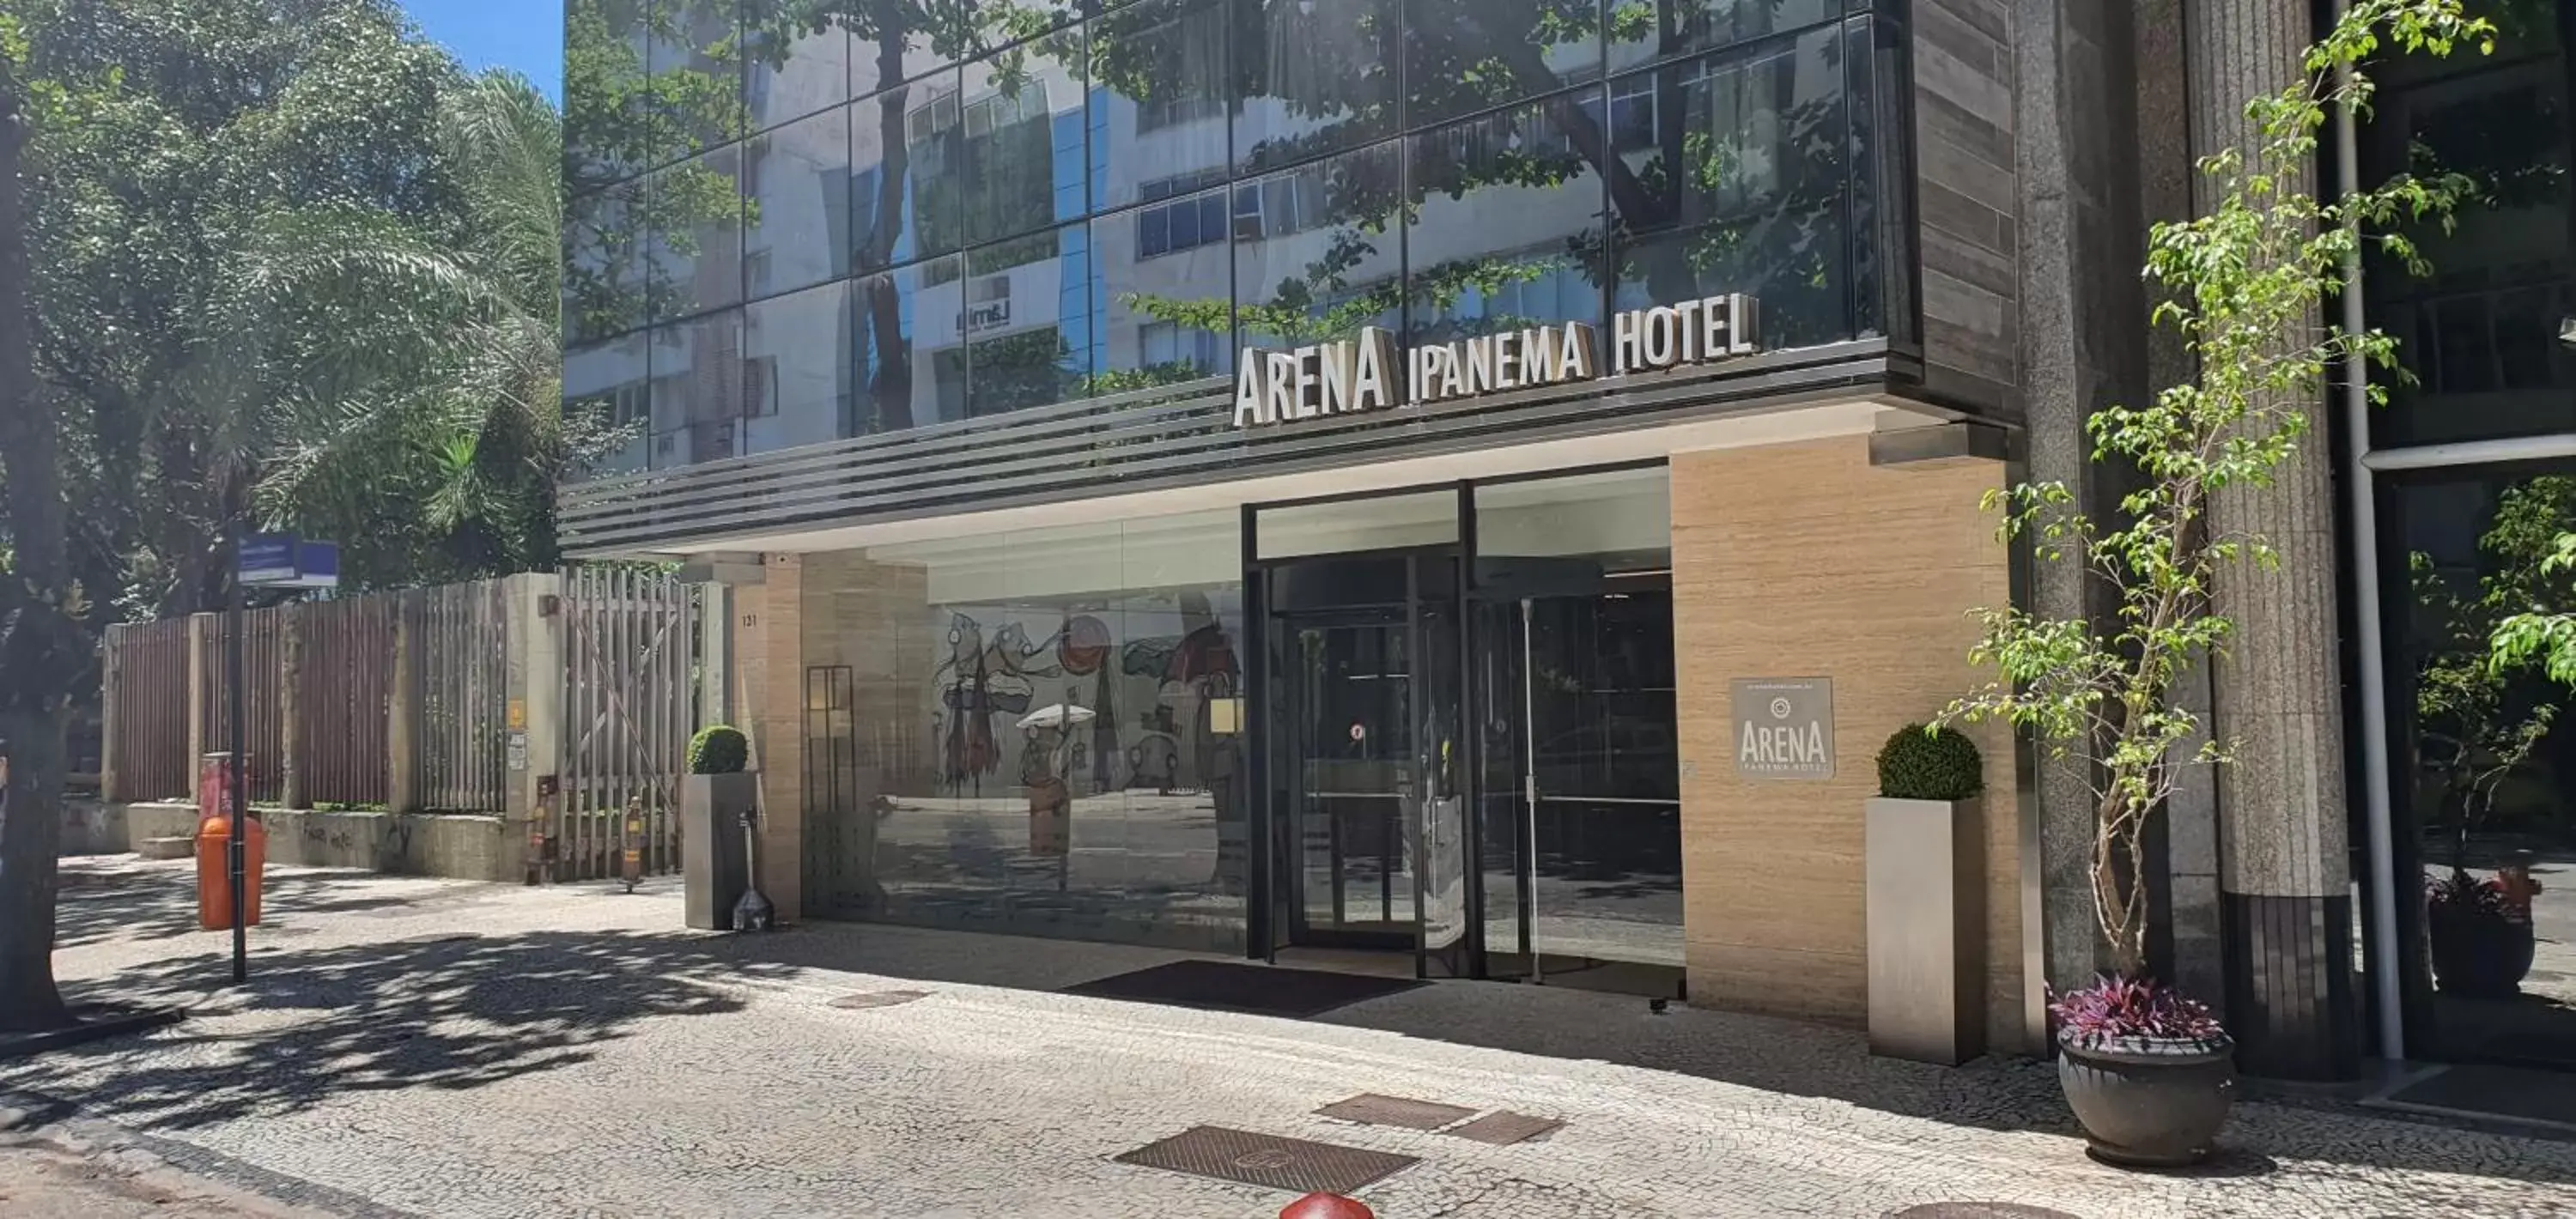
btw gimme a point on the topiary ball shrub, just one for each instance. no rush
(1921, 763)
(719, 749)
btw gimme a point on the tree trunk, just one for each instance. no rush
(35, 657)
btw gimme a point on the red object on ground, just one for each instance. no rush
(1327, 1206)
(214, 834)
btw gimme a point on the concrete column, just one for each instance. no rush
(534, 694)
(205, 631)
(402, 710)
(111, 785)
(772, 673)
(290, 709)
(2285, 897)
(715, 654)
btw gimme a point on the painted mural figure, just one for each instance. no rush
(978, 682)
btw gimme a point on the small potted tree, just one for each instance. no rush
(2148, 1071)
(1923, 844)
(717, 793)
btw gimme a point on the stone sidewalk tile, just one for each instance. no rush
(472, 1050)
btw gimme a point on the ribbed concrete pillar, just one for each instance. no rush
(2286, 905)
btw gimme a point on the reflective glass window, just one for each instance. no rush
(697, 397)
(1322, 255)
(1507, 230)
(903, 183)
(1743, 189)
(1023, 309)
(1313, 77)
(694, 234)
(790, 67)
(1021, 139)
(611, 384)
(910, 354)
(1158, 113)
(796, 204)
(2479, 333)
(1462, 56)
(695, 57)
(894, 43)
(797, 384)
(1642, 31)
(604, 286)
(1161, 313)
(607, 135)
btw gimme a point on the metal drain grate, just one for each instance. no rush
(866, 999)
(1504, 1128)
(1977, 1210)
(1295, 1166)
(1371, 1109)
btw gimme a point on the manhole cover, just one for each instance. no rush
(1296, 1166)
(1977, 1210)
(1371, 1109)
(1504, 1128)
(877, 998)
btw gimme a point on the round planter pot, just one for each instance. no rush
(2147, 1102)
(2479, 955)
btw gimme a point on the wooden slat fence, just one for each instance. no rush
(464, 638)
(147, 697)
(264, 685)
(346, 688)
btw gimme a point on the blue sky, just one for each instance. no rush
(525, 35)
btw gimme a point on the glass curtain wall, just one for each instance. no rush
(1036, 732)
(1007, 205)
(2483, 761)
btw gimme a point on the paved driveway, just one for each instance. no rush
(419, 1047)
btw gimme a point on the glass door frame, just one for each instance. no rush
(1271, 920)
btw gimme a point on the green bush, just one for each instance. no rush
(719, 749)
(1929, 764)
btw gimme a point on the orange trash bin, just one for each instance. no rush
(214, 881)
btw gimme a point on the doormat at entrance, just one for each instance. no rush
(1296, 1166)
(1224, 986)
(2502, 1093)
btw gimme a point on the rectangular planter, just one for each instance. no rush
(712, 871)
(1926, 926)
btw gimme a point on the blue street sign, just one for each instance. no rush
(266, 558)
(281, 560)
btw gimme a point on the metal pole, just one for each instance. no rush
(2365, 581)
(1529, 791)
(237, 779)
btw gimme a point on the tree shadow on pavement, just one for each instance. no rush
(453, 1012)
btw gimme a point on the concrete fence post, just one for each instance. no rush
(111, 757)
(290, 708)
(402, 708)
(204, 681)
(534, 690)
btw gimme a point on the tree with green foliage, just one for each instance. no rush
(2243, 284)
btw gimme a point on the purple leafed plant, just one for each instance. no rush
(2115, 1007)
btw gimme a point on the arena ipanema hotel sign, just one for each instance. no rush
(1364, 374)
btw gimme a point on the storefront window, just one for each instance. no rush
(1035, 732)
(2486, 767)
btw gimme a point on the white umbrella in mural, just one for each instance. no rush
(1056, 715)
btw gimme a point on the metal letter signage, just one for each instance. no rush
(1784, 727)
(1360, 374)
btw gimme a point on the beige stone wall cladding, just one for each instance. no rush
(1805, 561)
